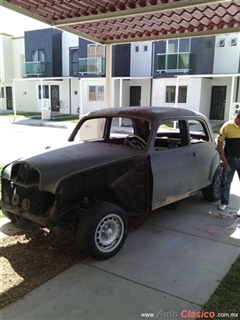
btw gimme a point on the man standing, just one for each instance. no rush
(228, 145)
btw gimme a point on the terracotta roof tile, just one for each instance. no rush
(159, 18)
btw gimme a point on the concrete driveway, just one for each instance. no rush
(169, 267)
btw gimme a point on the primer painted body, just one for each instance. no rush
(138, 172)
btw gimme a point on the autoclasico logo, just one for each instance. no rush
(188, 314)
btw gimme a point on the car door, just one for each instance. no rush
(173, 163)
(204, 148)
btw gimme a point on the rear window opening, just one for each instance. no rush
(174, 134)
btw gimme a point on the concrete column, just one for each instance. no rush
(14, 99)
(108, 75)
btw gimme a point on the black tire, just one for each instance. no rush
(212, 193)
(99, 220)
(11, 216)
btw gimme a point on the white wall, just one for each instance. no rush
(193, 93)
(18, 50)
(31, 102)
(25, 92)
(6, 58)
(75, 95)
(88, 106)
(198, 93)
(2, 104)
(159, 92)
(145, 85)
(68, 41)
(71, 93)
(115, 93)
(11, 63)
(2, 68)
(205, 97)
(64, 94)
(125, 93)
(141, 61)
(27, 98)
(226, 59)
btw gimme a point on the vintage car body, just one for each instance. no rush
(118, 162)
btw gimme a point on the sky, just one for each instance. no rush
(15, 24)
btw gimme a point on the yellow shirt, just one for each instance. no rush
(230, 133)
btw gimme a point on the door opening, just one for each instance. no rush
(54, 98)
(9, 98)
(135, 96)
(218, 102)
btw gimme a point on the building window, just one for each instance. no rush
(38, 55)
(45, 92)
(136, 48)
(145, 48)
(171, 91)
(233, 42)
(178, 45)
(172, 46)
(74, 61)
(2, 92)
(177, 58)
(222, 43)
(96, 51)
(96, 93)
(184, 45)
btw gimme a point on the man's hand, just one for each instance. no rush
(224, 163)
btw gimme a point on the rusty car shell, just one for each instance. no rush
(57, 186)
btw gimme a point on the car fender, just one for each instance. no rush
(213, 167)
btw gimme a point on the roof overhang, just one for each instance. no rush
(121, 21)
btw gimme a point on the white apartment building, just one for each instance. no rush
(191, 73)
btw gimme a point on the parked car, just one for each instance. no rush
(118, 162)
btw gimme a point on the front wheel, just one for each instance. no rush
(102, 231)
(212, 193)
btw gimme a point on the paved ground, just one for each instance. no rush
(173, 263)
(26, 136)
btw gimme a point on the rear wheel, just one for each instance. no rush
(212, 193)
(102, 231)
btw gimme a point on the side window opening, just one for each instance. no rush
(120, 128)
(130, 132)
(171, 134)
(92, 129)
(198, 132)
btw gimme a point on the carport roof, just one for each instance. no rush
(120, 21)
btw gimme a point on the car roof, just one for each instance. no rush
(148, 113)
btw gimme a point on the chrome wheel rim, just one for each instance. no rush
(109, 233)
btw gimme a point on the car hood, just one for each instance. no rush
(54, 165)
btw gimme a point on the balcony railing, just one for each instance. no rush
(37, 68)
(92, 66)
(174, 62)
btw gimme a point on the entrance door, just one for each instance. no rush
(218, 102)
(54, 98)
(9, 98)
(135, 96)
